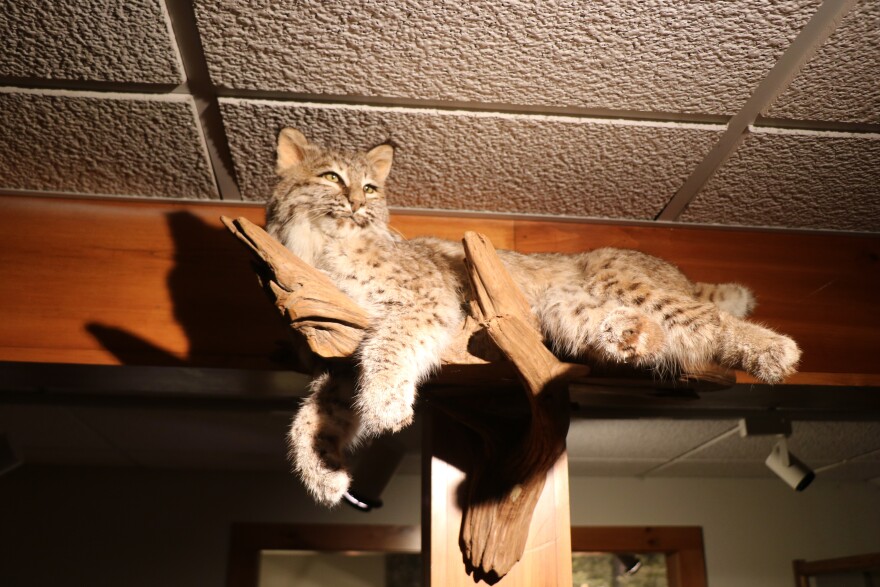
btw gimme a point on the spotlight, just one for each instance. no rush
(372, 473)
(789, 468)
(630, 564)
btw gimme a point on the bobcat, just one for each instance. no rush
(606, 304)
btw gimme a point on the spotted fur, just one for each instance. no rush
(602, 305)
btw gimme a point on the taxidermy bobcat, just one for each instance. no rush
(606, 304)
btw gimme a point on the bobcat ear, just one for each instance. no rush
(291, 149)
(380, 158)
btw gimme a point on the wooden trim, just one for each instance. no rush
(683, 546)
(248, 540)
(862, 562)
(101, 281)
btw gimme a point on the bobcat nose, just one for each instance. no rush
(357, 200)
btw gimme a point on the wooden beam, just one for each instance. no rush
(819, 288)
(103, 281)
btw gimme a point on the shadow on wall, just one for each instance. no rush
(227, 321)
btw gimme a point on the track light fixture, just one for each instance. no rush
(788, 467)
(630, 564)
(781, 461)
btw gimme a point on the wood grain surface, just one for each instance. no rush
(104, 281)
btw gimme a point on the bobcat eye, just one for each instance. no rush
(331, 176)
(370, 189)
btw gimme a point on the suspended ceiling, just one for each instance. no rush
(754, 113)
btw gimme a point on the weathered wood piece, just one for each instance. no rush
(504, 492)
(331, 322)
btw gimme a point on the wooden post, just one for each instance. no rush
(448, 450)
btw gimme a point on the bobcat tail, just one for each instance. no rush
(733, 298)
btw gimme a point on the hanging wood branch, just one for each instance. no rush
(333, 325)
(502, 494)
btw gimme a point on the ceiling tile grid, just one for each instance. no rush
(656, 55)
(92, 40)
(556, 102)
(102, 143)
(465, 160)
(797, 179)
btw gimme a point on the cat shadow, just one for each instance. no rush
(215, 301)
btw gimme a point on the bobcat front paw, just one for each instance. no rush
(627, 335)
(319, 465)
(385, 409)
(774, 361)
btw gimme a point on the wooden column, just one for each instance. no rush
(447, 450)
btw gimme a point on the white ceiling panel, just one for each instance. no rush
(840, 83)
(92, 40)
(648, 55)
(641, 439)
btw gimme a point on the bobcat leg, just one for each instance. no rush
(320, 433)
(394, 360)
(578, 323)
(761, 352)
(628, 335)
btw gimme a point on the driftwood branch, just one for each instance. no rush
(504, 491)
(331, 322)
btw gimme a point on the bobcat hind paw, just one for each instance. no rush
(777, 361)
(628, 335)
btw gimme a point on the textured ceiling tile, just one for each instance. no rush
(611, 468)
(649, 55)
(97, 40)
(807, 179)
(51, 434)
(214, 460)
(474, 161)
(816, 443)
(641, 439)
(714, 469)
(189, 431)
(835, 441)
(140, 145)
(841, 82)
(737, 448)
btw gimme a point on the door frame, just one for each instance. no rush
(682, 545)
